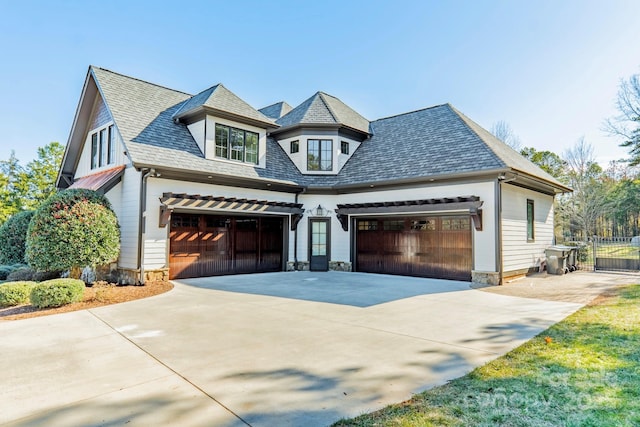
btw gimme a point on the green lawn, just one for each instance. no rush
(618, 251)
(584, 371)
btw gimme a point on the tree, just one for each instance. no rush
(41, 174)
(548, 161)
(73, 228)
(503, 132)
(13, 236)
(588, 203)
(12, 180)
(627, 123)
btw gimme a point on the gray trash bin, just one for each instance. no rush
(561, 253)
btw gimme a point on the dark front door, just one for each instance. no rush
(319, 244)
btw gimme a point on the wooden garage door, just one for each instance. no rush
(210, 245)
(438, 247)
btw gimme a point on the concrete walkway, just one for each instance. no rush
(286, 349)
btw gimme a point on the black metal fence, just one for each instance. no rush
(607, 253)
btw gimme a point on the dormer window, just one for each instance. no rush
(319, 154)
(236, 144)
(103, 147)
(344, 147)
(295, 147)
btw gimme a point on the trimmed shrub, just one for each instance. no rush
(5, 270)
(73, 228)
(13, 235)
(57, 292)
(15, 293)
(21, 274)
(41, 276)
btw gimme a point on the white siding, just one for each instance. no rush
(517, 253)
(156, 248)
(484, 249)
(128, 218)
(156, 238)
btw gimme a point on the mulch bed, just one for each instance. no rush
(95, 296)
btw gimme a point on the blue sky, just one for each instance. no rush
(550, 69)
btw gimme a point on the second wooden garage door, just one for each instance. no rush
(438, 247)
(210, 245)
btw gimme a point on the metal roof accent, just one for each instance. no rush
(101, 181)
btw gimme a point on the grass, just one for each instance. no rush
(583, 371)
(618, 251)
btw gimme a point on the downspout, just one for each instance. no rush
(142, 209)
(295, 235)
(499, 260)
(498, 251)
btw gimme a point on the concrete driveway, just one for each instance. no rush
(286, 349)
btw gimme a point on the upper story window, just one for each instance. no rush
(344, 147)
(530, 221)
(236, 144)
(103, 147)
(319, 154)
(295, 147)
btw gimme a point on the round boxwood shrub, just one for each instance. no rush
(57, 292)
(15, 293)
(73, 228)
(13, 235)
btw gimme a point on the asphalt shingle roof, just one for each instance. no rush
(220, 98)
(277, 110)
(323, 108)
(434, 141)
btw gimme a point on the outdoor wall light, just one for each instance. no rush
(320, 211)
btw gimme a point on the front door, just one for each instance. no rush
(319, 244)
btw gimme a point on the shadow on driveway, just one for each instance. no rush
(352, 289)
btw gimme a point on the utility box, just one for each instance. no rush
(565, 259)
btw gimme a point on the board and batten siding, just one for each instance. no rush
(100, 118)
(517, 253)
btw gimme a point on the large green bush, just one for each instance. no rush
(13, 235)
(73, 228)
(15, 293)
(57, 292)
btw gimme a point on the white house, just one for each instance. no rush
(206, 185)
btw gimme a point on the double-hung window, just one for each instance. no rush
(319, 154)
(236, 144)
(103, 147)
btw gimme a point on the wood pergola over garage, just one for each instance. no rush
(211, 236)
(426, 238)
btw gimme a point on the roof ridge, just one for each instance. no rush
(326, 104)
(137, 79)
(412, 111)
(462, 117)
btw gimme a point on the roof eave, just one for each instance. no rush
(203, 109)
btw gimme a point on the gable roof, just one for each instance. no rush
(433, 143)
(220, 99)
(323, 109)
(277, 110)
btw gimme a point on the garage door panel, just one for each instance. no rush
(437, 246)
(219, 245)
